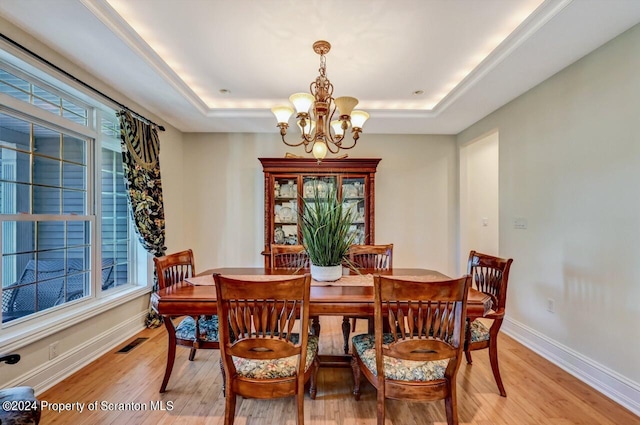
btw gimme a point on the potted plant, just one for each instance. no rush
(325, 224)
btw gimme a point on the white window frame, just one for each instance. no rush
(23, 331)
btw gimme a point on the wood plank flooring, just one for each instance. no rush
(538, 393)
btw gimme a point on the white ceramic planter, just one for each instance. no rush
(326, 274)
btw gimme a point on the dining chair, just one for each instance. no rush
(289, 257)
(489, 275)
(265, 353)
(374, 257)
(421, 358)
(194, 332)
(293, 257)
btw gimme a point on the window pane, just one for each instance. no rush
(78, 233)
(73, 112)
(47, 106)
(51, 235)
(74, 176)
(73, 149)
(46, 171)
(46, 200)
(73, 202)
(14, 86)
(15, 132)
(46, 142)
(14, 198)
(14, 165)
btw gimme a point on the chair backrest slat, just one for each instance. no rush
(289, 257)
(490, 275)
(425, 318)
(174, 268)
(262, 316)
(377, 257)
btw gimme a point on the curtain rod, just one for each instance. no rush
(78, 81)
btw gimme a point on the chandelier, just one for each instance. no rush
(315, 112)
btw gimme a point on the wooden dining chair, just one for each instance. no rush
(489, 275)
(374, 257)
(420, 360)
(289, 257)
(194, 332)
(265, 353)
(293, 257)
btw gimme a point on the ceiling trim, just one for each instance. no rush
(112, 20)
(534, 22)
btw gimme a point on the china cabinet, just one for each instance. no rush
(288, 180)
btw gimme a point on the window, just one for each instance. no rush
(65, 230)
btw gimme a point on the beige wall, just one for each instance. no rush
(570, 165)
(479, 206)
(416, 197)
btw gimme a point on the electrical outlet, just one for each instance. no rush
(53, 350)
(551, 308)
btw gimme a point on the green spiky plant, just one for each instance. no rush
(325, 224)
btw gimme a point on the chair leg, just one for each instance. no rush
(300, 406)
(313, 387)
(451, 406)
(171, 353)
(224, 378)
(467, 342)
(230, 409)
(353, 324)
(192, 354)
(315, 326)
(357, 377)
(380, 406)
(346, 330)
(493, 356)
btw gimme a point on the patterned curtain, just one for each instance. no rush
(141, 164)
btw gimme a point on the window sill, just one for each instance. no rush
(15, 337)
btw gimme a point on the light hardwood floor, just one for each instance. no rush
(538, 392)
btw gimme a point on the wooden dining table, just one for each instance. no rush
(352, 295)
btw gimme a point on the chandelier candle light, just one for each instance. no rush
(320, 133)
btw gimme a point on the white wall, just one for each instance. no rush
(416, 197)
(479, 170)
(569, 164)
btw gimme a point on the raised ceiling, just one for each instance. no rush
(219, 66)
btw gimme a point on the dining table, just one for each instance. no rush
(351, 295)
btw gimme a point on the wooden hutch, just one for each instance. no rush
(287, 180)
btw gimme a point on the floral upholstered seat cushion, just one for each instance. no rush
(208, 329)
(479, 332)
(277, 368)
(397, 369)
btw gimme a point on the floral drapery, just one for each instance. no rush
(140, 160)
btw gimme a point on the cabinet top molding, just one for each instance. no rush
(327, 165)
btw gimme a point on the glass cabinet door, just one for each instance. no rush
(353, 200)
(285, 214)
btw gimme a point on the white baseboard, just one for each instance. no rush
(50, 373)
(610, 383)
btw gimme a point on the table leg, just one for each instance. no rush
(346, 330)
(171, 352)
(315, 326)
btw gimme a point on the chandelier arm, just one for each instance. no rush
(341, 146)
(294, 145)
(332, 146)
(308, 147)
